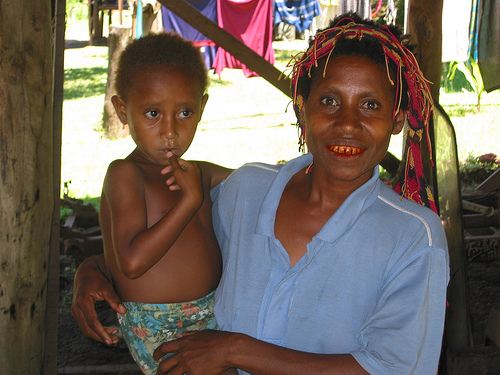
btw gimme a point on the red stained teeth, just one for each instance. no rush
(347, 150)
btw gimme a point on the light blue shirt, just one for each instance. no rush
(372, 283)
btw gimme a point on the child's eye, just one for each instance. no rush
(185, 113)
(152, 114)
(371, 105)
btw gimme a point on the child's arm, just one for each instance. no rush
(137, 246)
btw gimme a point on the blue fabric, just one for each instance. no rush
(372, 283)
(173, 23)
(361, 7)
(299, 13)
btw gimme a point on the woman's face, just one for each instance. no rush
(348, 118)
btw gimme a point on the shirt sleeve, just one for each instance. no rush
(404, 334)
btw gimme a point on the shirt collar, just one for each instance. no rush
(338, 224)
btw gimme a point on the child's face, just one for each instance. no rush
(348, 118)
(163, 109)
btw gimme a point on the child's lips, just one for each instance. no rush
(166, 150)
(344, 150)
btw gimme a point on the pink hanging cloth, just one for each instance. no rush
(251, 21)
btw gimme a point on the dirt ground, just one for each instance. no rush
(77, 354)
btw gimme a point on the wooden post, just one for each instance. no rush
(52, 311)
(120, 10)
(26, 175)
(425, 25)
(230, 43)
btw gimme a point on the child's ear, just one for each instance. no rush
(399, 122)
(120, 108)
(204, 102)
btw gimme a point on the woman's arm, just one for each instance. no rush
(211, 352)
(91, 284)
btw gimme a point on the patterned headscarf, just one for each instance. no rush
(409, 181)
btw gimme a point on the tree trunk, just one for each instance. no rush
(425, 27)
(118, 38)
(26, 181)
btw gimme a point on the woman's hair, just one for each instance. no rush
(360, 45)
(349, 35)
(159, 50)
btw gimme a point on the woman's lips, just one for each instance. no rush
(344, 150)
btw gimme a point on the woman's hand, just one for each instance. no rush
(91, 285)
(198, 353)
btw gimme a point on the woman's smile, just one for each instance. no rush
(344, 150)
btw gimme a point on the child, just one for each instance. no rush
(159, 245)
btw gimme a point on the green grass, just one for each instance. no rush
(245, 120)
(84, 82)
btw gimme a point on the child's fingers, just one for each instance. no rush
(167, 169)
(173, 160)
(171, 184)
(176, 163)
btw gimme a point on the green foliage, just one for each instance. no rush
(470, 69)
(475, 169)
(456, 84)
(76, 10)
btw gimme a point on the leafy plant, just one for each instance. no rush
(475, 169)
(471, 71)
(77, 9)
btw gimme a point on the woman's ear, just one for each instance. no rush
(399, 122)
(120, 108)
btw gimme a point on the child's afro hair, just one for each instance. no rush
(163, 49)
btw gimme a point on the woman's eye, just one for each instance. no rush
(185, 113)
(152, 114)
(371, 105)
(328, 101)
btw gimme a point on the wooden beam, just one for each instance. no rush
(230, 43)
(424, 23)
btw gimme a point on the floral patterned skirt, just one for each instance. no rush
(146, 326)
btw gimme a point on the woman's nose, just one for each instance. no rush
(348, 120)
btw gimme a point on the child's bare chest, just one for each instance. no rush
(159, 200)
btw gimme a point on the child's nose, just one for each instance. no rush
(169, 129)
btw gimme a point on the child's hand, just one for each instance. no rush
(171, 180)
(186, 177)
